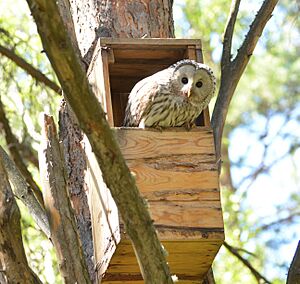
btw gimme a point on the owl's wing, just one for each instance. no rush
(141, 99)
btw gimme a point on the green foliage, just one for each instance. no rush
(261, 134)
(260, 131)
(24, 100)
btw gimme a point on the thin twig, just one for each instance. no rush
(287, 219)
(35, 73)
(228, 34)
(255, 273)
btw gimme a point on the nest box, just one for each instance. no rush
(175, 169)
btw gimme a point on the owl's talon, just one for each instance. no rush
(159, 128)
(189, 126)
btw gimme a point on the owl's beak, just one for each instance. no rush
(187, 93)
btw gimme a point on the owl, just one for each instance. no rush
(172, 97)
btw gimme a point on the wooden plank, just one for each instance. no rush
(107, 95)
(198, 194)
(150, 179)
(149, 41)
(206, 117)
(123, 85)
(187, 214)
(104, 213)
(166, 233)
(148, 55)
(138, 143)
(98, 75)
(119, 102)
(189, 261)
(191, 52)
(132, 69)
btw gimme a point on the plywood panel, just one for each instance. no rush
(138, 143)
(187, 260)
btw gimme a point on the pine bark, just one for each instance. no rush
(94, 19)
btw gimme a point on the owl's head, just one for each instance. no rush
(194, 81)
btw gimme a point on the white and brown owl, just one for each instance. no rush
(172, 97)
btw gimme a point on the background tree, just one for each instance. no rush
(238, 212)
(260, 145)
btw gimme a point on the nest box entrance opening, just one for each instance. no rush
(127, 61)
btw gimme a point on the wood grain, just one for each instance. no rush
(104, 213)
(189, 214)
(151, 179)
(136, 143)
(188, 261)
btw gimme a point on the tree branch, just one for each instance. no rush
(294, 270)
(35, 73)
(287, 220)
(13, 146)
(231, 71)
(91, 117)
(256, 274)
(25, 195)
(59, 210)
(12, 254)
(228, 34)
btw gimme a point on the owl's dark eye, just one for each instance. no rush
(184, 80)
(199, 84)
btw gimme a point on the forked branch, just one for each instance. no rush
(232, 70)
(228, 34)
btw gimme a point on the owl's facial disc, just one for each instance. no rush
(184, 78)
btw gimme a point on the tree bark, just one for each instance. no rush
(60, 213)
(92, 120)
(232, 70)
(13, 143)
(294, 270)
(12, 255)
(113, 18)
(25, 195)
(93, 19)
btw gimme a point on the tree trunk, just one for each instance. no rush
(93, 19)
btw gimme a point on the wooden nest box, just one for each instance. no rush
(175, 169)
